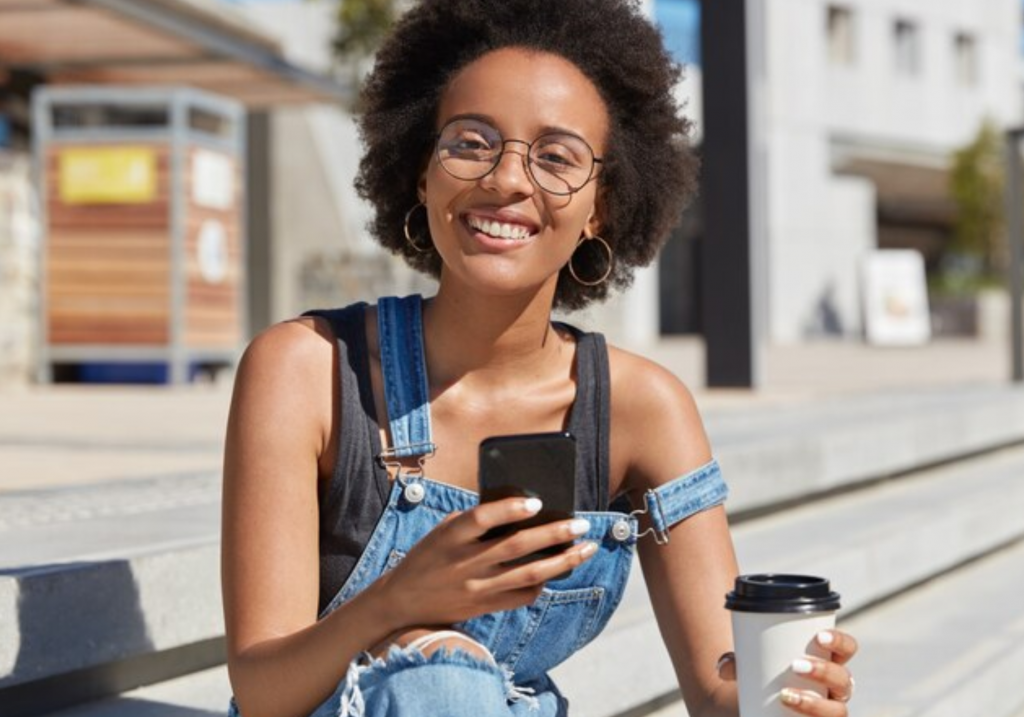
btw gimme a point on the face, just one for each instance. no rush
(502, 233)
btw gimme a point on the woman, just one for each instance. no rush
(529, 154)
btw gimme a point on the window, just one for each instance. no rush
(965, 55)
(908, 47)
(840, 35)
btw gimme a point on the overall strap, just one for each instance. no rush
(403, 362)
(681, 497)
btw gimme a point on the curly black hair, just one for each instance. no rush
(649, 172)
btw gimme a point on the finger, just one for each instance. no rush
(810, 703)
(538, 572)
(530, 540)
(843, 646)
(835, 678)
(477, 521)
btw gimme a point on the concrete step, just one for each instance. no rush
(201, 694)
(107, 586)
(872, 544)
(953, 647)
(772, 455)
(145, 552)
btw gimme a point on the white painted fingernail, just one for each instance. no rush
(588, 549)
(532, 505)
(790, 697)
(802, 667)
(580, 526)
(825, 638)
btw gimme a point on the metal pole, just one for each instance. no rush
(1015, 237)
(732, 188)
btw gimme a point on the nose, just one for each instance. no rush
(511, 175)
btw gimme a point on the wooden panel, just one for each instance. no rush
(108, 287)
(108, 266)
(108, 332)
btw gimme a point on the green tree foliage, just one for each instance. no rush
(976, 183)
(362, 24)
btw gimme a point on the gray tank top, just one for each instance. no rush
(353, 500)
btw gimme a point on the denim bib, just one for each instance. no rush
(569, 613)
(529, 641)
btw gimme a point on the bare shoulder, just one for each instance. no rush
(642, 387)
(656, 426)
(286, 375)
(302, 344)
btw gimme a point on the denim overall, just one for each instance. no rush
(525, 642)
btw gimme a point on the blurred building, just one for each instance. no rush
(863, 103)
(120, 45)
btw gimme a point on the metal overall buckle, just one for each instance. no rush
(412, 489)
(660, 534)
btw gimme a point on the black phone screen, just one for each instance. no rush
(531, 465)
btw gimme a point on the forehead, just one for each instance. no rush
(526, 92)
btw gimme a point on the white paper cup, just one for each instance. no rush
(774, 620)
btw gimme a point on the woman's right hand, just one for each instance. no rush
(451, 575)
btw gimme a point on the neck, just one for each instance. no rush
(493, 337)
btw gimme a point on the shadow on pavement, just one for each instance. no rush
(130, 707)
(76, 625)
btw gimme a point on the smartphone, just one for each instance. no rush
(531, 465)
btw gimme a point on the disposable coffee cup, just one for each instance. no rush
(774, 620)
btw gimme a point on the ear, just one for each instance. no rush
(594, 223)
(421, 187)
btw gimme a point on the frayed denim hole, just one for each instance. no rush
(402, 658)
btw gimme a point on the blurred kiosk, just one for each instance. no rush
(143, 242)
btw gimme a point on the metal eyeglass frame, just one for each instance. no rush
(595, 160)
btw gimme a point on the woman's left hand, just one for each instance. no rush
(835, 678)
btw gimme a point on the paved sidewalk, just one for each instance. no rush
(80, 435)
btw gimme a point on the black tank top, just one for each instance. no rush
(352, 502)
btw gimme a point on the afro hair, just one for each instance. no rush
(649, 172)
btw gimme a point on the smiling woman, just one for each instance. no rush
(529, 154)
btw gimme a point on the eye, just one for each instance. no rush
(561, 153)
(469, 139)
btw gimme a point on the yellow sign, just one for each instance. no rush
(107, 175)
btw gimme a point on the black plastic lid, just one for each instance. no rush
(782, 593)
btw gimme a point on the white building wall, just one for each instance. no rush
(820, 224)
(321, 252)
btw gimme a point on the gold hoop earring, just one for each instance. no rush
(608, 269)
(408, 234)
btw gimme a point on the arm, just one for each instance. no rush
(662, 437)
(280, 661)
(688, 578)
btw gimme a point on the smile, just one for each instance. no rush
(499, 230)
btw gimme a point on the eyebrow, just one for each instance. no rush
(487, 119)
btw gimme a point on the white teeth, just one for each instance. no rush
(499, 230)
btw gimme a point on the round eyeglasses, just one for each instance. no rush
(559, 163)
